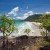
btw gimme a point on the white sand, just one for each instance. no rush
(33, 26)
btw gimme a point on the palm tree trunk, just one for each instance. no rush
(3, 41)
(7, 44)
(46, 32)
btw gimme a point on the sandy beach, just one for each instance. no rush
(33, 26)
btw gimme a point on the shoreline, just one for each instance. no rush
(33, 26)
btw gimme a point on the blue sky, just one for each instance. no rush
(23, 7)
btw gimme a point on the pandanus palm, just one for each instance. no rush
(6, 26)
(27, 31)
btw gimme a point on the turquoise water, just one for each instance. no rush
(18, 23)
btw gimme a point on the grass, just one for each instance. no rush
(46, 42)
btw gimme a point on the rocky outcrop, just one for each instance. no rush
(23, 43)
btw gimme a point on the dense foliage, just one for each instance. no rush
(45, 20)
(6, 27)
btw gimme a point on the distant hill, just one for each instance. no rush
(33, 17)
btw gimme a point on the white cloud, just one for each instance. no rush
(47, 13)
(37, 13)
(14, 11)
(28, 14)
(25, 15)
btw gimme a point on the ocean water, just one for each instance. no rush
(18, 23)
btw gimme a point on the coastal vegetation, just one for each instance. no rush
(45, 20)
(6, 27)
(27, 31)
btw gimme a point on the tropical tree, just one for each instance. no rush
(46, 25)
(6, 27)
(27, 31)
(45, 20)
